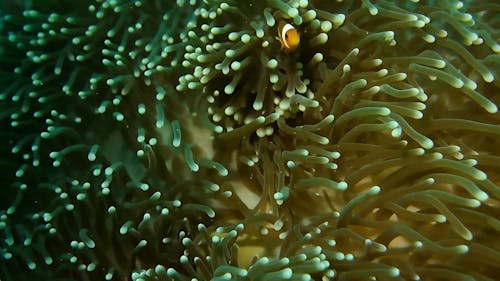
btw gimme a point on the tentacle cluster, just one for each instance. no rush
(175, 140)
(223, 57)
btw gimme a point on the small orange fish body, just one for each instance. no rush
(288, 36)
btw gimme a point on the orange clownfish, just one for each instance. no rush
(289, 36)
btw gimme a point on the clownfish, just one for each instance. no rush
(288, 36)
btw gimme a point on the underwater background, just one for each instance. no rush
(179, 140)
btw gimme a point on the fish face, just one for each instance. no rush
(288, 36)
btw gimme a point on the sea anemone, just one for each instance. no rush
(177, 140)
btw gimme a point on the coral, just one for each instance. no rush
(176, 140)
